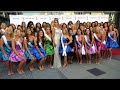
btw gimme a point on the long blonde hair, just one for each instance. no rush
(7, 28)
(15, 36)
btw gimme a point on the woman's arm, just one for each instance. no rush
(83, 40)
(53, 34)
(35, 42)
(26, 47)
(1, 45)
(70, 40)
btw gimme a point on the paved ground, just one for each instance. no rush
(108, 69)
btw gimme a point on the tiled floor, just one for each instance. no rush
(73, 71)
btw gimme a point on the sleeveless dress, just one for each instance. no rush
(78, 47)
(98, 46)
(30, 49)
(110, 43)
(68, 49)
(36, 54)
(49, 47)
(7, 51)
(103, 46)
(88, 50)
(57, 59)
(0, 48)
(14, 57)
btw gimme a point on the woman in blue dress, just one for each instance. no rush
(111, 41)
(2, 32)
(39, 50)
(29, 46)
(6, 47)
(64, 45)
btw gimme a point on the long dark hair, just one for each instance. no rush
(37, 26)
(43, 38)
(27, 34)
(29, 24)
(90, 36)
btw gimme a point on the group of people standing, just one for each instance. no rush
(55, 42)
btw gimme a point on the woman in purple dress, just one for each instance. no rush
(17, 55)
(79, 44)
(89, 45)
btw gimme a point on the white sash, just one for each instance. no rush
(48, 37)
(40, 44)
(96, 37)
(44, 30)
(64, 47)
(83, 48)
(110, 37)
(104, 42)
(18, 43)
(86, 40)
(5, 41)
(77, 40)
(29, 43)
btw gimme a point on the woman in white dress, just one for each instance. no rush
(56, 33)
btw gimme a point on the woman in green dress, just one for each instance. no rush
(49, 45)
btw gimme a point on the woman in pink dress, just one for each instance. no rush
(79, 45)
(17, 55)
(98, 40)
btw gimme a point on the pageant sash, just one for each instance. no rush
(64, 47)
(29, 43)
(44, 30)
(78, 40)
(110, 37)
(96, 37)
(48, 37)
(104, 42)
(40, 44)
(18, 43)
(83, 48)
(86, 40)
(5, 41)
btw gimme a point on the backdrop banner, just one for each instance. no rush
(18, 19)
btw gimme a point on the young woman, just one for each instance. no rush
(98, 40)
(49, 44)
(3, 27)
(111, 41)
(64, 26)
(79, 45)
(74, 29)
(17, 54)
(64, 45)
(56, 33)
(72, 53)
(77, 24)
(6, 47)
(29, 46)
(23, 26)
(39, 50)
(103, 44)
(89, 45)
